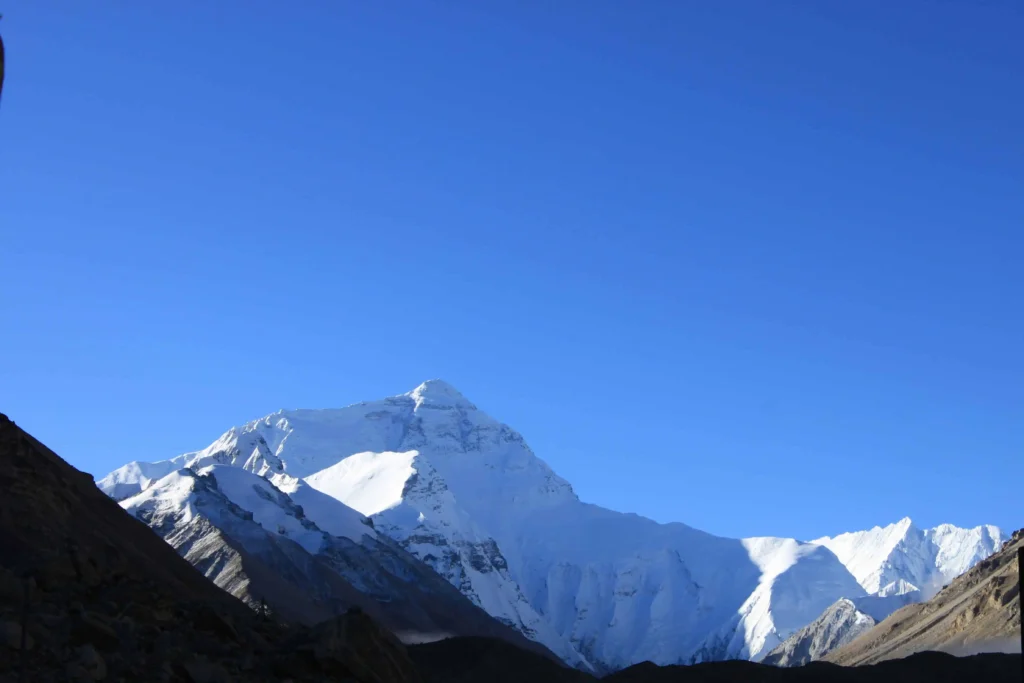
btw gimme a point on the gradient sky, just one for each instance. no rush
(757, 266)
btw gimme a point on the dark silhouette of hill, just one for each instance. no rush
(466, 660)
(928, 667)
(462, 660)
(87, 593)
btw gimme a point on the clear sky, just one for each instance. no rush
(757, 266)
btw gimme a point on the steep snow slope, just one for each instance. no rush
(466, 495)
(840, 624)
(900, 558)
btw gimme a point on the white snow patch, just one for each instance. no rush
(171, 493)
(367, 482)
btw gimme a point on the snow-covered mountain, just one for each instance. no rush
(306, 555)
(602, 589)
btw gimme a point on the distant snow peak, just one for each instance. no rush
(901, 558)
(436, 393)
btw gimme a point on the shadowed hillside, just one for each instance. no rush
(461, 660)
(109, 600)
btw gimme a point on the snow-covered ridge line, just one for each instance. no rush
(466, 495)
(900, 558)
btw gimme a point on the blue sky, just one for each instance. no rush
(755, 266)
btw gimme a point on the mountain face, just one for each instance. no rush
(978, 611)
(464, 494)
(307, 562)
(839, 624)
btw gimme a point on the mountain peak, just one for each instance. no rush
(437, 392)
(904, 524)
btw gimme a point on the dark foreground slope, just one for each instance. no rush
(467, 660)
(978, 612)
(929, 667)
(108, 600)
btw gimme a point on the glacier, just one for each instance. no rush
(467, 496)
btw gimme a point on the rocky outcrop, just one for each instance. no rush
(839, 624)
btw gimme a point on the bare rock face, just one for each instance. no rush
(94, 595)
(978, 612)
